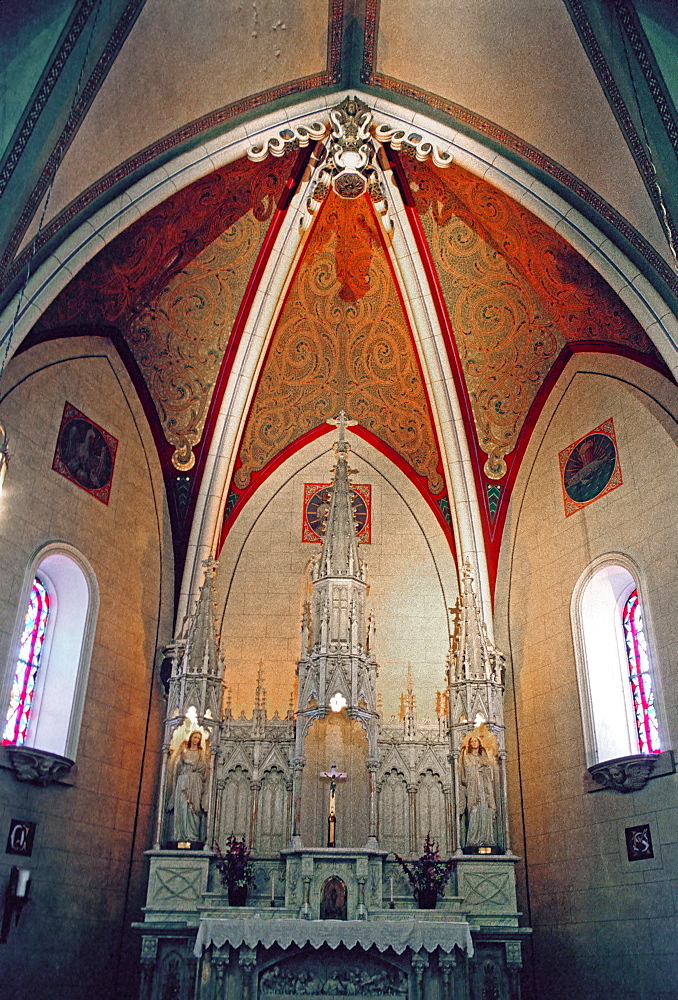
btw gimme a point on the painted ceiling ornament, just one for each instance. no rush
(349, 167)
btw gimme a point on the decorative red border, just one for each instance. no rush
(310, 489)
(607, 429)
(72, 413)
(493, 527)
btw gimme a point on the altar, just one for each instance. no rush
(324, 797)
(196, 946)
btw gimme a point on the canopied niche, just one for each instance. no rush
(342, 740)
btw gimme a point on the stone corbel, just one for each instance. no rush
(631, 773)
(247, 960)
(38, 767)
(220, 965)
(514, 957)
(447, 964)
(149, 958)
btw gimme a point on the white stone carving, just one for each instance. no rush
(475, 696)
(421, 146)
(291, 137)
(624, 774)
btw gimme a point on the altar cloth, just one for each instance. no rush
(286, 931)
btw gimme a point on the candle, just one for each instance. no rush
(391, 890)
(22, 882)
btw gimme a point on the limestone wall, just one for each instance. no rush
(603, 926)
(87, 880)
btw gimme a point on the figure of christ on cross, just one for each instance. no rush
(334, 776)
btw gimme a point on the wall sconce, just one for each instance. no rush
(16, 897)
(4, 456)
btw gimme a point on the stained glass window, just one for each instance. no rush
(639, 675)
(23, 685)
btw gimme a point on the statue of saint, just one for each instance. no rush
(477, 799)
(188, 769)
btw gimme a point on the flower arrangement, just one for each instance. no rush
(429, 874)
(235, 865)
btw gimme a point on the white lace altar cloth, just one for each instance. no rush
(383, 934)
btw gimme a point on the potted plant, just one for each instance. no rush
(235, 870)
(428, 875)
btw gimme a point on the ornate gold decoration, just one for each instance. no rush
(172, 284)
(516, 294)
(342, 343)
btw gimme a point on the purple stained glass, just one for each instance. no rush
(30, 650)
(640, 677)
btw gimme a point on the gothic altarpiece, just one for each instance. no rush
(323, 795)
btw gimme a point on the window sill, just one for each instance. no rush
(630, 774)
(38, 767)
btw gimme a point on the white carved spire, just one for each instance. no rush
(476, 717)
(259, 715)
(408, 707)
(472, 655)
(339, 556)
(196, 681)
(334, 657)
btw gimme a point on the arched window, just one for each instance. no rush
(616, 684)
(47, 677)
(640, 675)
(23, 686)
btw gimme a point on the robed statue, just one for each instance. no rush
(188, 773)
(477, 795)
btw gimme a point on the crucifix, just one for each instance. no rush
(333, 776)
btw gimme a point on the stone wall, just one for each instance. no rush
(87, 869)
(604, 926)
(262, 581)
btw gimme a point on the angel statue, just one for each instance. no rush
(188, 771)
(476, 780)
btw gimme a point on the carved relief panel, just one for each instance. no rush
(235, 806)
(272, 831)
(394, 834)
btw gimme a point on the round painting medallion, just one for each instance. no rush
(589, 467)
(86, 454)
(318, 508)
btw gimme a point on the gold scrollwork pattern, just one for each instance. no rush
(342, 342)
(516, 294)
(172, 284)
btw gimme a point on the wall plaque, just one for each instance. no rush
(20, 837)
(85, 453)
(639, 842)
(589, 468)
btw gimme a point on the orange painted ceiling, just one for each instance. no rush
(514, 298)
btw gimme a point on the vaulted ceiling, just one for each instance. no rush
(516, 300)
(111, 95)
